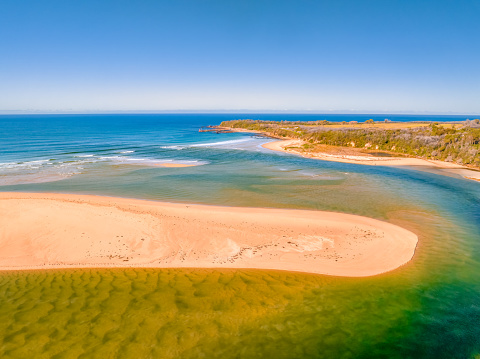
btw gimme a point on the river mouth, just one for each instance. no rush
(425, 308)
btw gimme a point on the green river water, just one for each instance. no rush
(429, 308)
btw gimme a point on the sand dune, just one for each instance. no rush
(60, 231)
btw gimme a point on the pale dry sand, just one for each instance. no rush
(39, 231)
(441, 166)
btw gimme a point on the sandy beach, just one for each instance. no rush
(440, 166)
(40, 231)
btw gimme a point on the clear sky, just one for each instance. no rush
(336, 55)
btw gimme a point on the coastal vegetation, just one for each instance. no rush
(457, 142)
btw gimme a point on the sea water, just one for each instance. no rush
(429, 308)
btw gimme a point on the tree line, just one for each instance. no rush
(460, 145)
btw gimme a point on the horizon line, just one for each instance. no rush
(237, 111)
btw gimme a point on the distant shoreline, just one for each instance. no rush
(441, 166)
(337, 154)
(47, 231)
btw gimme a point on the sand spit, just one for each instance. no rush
(444, 167)
(40, 231)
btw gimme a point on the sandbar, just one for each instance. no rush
(175, 165)
(42, 231)
(442, 167)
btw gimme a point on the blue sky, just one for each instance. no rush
(299, 55)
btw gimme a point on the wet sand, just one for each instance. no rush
(40, 231)
(440, 166)
(175, 165)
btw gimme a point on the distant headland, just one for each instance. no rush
(453, 146)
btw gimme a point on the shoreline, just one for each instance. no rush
(436, 166)
(440, 167)
(47, 231)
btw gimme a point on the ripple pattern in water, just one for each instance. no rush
(193, 313)
(428, 309)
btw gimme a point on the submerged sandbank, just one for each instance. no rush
(445, 167)
(41, 231)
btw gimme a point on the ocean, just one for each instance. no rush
(429, 308)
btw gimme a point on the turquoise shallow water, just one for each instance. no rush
(429, 308)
